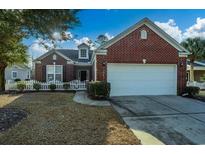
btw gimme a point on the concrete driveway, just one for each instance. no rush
(163, 119)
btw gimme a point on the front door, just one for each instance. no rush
(83, 75)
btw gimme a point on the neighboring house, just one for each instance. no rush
(142, 60)
(65, 65)
(199, 70)
(17, 71)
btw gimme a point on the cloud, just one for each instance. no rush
(196, 30)
(57, 36)
(82, 40)
(171, 28)
(85, 40)
(38, 47)
(109, 36)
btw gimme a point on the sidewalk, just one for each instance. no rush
(81, 97)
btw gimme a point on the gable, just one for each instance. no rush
(153, 27)
(52, 52)
(133, 49)
(48, 60)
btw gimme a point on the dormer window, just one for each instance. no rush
(143, 34)
(83, 54)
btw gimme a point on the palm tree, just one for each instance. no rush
(196, 46)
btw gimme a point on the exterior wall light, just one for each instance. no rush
(103, 63)
(181, 64)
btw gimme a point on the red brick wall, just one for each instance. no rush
(132, 49)
(38, 72)
(101, 67)
(40, 69)
(181, 74)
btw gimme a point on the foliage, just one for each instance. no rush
(17, 80)
(66, 86)
(15, 25)
(196, 46)
(192, 90)
(21, 86)
(99, 90)
(101, 39)
(52, 87)
(37, 86)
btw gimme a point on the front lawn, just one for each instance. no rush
(53, 118)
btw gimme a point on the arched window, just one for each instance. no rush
(143, 34)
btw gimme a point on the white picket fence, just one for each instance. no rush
(201, 85)
(73, 85)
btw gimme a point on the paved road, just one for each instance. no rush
(171, 119)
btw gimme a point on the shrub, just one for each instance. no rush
(99, 90)
(27, 79)
(37, 86)
(17, 80)
(192, 90)
(21, 86)
(52, 87)
(66, 86)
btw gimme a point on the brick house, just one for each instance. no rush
(142, 60)
(64, 65)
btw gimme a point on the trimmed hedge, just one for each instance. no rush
(98, 90)
(21, 86)
(37, 86)
(17, 80)
(192, 90)
(66, 86)
(52, 87)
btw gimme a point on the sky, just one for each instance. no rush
(180, 24)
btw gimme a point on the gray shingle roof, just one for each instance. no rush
(73, 55)
(197, 64)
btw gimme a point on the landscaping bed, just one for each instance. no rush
(9, 117)
(55, 119)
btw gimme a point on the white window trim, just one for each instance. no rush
(79, 54)
(29, 75)
(13, 76)
(54, 72)
(143, 34)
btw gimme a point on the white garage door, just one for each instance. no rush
(145, 79)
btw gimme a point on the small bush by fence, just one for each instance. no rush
(99, 90)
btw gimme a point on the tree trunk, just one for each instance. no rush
(2, 77)
(191, 71)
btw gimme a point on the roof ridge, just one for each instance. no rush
(64, 49)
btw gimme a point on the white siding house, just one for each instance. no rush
(17, 72)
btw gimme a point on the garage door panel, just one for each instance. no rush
(146, 79)
(142, 88)
(140, 77)
(120, 92)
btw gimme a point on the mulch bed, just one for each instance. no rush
(10, 117)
